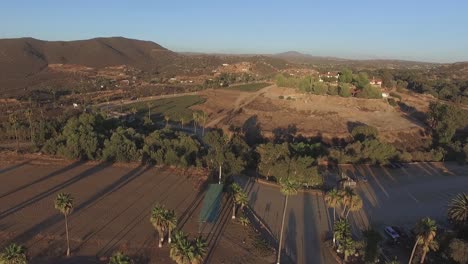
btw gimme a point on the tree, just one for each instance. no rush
(240, 201)
(425, 230)
(234, 189)
(200, 246)
(346, 76)
(287, 187)
(224, 154)
(458, 209)
(14, 123)
(182, 121)
(186, 251)
(196, 118)
(342, 233)
(123, 146)
(350, 201)
(149, 105)
(372, 248)
(82, 137)
(459, 250)
(13, 254)
(134, 111)
(64, 204)
(29, 115)
(344, 90)
(271, 154)
(158, 219)
(167, 118)
(361, 80)
(333, 200)
(171, 223)
(182, 251)
(120, 258)
(203, 118)
(363, 132)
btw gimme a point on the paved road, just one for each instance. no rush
(390, 197)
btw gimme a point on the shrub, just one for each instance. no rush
(332, 90)
(370, 92)
(281, 97)
(344, 90)
(363, 132)
(392, 102)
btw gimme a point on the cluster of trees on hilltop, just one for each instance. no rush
(437, 82)
(349, 83)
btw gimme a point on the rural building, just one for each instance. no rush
(376, 82)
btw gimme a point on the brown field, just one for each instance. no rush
(328, 116)
(112, 206)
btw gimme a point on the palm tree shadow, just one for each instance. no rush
(51, 175)
(13, 167)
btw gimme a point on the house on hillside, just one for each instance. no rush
(376, 82)
(327, 76)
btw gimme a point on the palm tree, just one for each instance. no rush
(333, 200)
(348, 197)
(203, 119)
(29, 115)
(149, 110)
(133, 111)
(458, 208)
(182, 251)
(200, 246)
(14, 123)
(182, 121)
(171, 223)
(64, 203)
(158, 219)
(195, 121)
(241, 200)
(167, 118)
(120, 258)
(234, 190)
(14, 254)
(288, 187)
(426, 230)
(354, 205)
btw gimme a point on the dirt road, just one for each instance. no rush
(242, 100)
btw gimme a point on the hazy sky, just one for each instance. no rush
(403, 29)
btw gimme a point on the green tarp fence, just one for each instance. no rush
(211, 203)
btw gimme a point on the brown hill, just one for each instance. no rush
(24, 58)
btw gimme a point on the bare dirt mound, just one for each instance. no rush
(329, 116)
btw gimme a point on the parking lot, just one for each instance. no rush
(391, 197)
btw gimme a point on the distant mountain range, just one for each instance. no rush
(24, 61)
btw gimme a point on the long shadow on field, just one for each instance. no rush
(54, 189)
(218, 229)
(187, 214)
(291, 237)
(311, 237)
(28, 234)
(140, 217)
(13, 167)
(53, 174)
(111, 188)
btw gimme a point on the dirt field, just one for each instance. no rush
(329, 116)
(112, 206)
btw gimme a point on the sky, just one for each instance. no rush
(430, 30)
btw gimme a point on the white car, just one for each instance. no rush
(392, 233)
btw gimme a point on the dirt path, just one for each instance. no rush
(242, 100)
